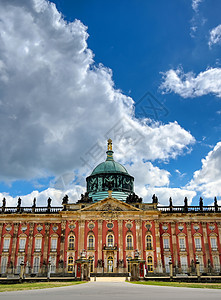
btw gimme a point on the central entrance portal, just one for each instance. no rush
(110, 264)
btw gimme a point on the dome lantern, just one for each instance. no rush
(109, 173)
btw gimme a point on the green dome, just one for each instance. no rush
(109, 175)
(109, 166)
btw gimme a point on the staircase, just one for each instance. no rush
(109, 277)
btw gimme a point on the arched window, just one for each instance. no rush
(71, 243)
(150, 264)
(149, 242)
(91, 242)
(110, 240)
(110, 264)
(70, 264)
(129, 242)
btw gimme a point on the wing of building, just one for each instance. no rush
(108, 230)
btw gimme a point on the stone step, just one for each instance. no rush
(108, 279)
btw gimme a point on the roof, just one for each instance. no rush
(109, 166)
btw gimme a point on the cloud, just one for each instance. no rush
(57, 109)
(57, 105)
(207, 180)
(195, 4)
(215, 35)
(164, 193)
(189, 85)
(56, 195)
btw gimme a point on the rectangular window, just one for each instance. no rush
(19, 261)
(213, 243)
(216, 264)
(22, 244)
(198, 243)
(53, 264)
(182, 244)
(200, 258)
(4, 264)
(54, 244)
(166, 245)
(166, 262)
(36, 264)
(183, 262)
(6, 244)
(38, 244)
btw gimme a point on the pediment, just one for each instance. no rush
(110, 204)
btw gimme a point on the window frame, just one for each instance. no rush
(150, 263)
(149, 242)
(71, 244)
(21, 246)
(8, 239)
(129, 242)
(110, 244)
(4, 266)
(91, 241)
(166, 246)
(54, 243)
(198, 246)
(38, 240)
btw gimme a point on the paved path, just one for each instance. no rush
(113, 291)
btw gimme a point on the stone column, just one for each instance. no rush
(1, 227)
(190, 243)
(30, 244)
(120, 242)
(206, 245)
(139, 236)
(174, 243)
(46, 241)
(62, 243)
(99, 250)
(81, 236)
(159, 258)
(14, 241)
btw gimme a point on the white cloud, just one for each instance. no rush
(207, 180)
(215, 35)
(57, 107)
(56, 104)
(188, 85)
(195, 4)
(164, 193)
(56, 195)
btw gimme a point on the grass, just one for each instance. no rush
(181, 284)
(35, 285)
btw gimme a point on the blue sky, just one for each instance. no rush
(163, 48)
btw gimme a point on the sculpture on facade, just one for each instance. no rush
(155, 199)
(85, 198)
(65, 200)
(201, 203)
(133, 198)
(215, 204)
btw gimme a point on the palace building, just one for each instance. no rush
(109, 230)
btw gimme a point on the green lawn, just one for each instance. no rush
(181, 284)
(35, 285)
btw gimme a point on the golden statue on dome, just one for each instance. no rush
(109, 145)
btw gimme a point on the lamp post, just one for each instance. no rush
(21, 275)
(49, 270)
(197, 268)
(171, 268)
